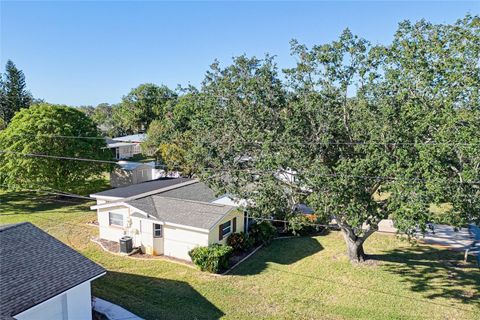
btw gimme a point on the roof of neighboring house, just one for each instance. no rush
(183, 212)
(140, 188)
(132, 138)
(120, 144)
(303, 208)
(35, 267)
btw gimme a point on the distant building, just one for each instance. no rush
(128, 173)
(127, 146)
(41, 278)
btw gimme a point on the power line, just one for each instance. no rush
(55, 192)
(434, 143)
(60, 136)
(57, 157)
(255, 171)
(72, 195)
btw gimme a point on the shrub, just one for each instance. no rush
(213, 258)
(263, 232)
(301, 225)
(238, 241)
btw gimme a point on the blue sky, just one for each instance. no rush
(89, 52)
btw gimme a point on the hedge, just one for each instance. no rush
(213, 258)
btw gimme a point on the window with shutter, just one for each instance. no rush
(234, 228)
(224, 229)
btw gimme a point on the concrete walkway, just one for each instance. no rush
(447, 236)
(112, 311)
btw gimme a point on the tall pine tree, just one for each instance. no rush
(13, 93)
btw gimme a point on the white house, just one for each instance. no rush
(127, 146)
(41, 278)
(167, 216)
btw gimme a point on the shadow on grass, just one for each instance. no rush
(280, 251)
(442, 273)
(155, 298)
(12, 203)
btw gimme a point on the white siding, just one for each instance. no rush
(142, 233)
(74, 304)
(178, 241)
(108, 232)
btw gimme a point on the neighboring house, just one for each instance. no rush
(167, 216)
(127, 146)
(41, 278)
(128, 173)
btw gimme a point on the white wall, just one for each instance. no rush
(73, 304)
(125, 152)
(178, 241)
(108, 232)
(121, 177)
(142, 233)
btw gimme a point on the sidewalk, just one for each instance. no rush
(447, 236)
(112, 311)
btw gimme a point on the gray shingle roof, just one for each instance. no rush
(35, 267)
(184, 212)
(136, 189)
(197, 191)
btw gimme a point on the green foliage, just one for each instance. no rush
(262, 232)
(30, 132)
(107, 118)
(352, 120)
(213, 258)
(238, 241)
(142, 105)
(13, 93)
(301, 225)
(170, 137)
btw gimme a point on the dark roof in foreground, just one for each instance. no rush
(136, 189)
(35, 267)
(184, 212)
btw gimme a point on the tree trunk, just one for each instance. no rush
(354, 245)
(355, 251)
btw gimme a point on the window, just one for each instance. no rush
(157, 230)
(226, 228)
(115, 219)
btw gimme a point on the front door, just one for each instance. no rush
(157, 239)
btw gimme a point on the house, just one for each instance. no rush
(41, 278)
(127, 146)
(129, 172)
(167, 216)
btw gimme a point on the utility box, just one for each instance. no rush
(126, 244)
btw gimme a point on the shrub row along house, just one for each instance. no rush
(167, 216)
(41, 278)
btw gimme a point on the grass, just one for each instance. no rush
(300, 278)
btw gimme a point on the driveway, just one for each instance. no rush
(447, 236)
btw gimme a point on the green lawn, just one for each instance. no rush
(300, 278)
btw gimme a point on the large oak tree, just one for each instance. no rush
(370, 131)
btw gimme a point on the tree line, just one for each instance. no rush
(362, 132)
